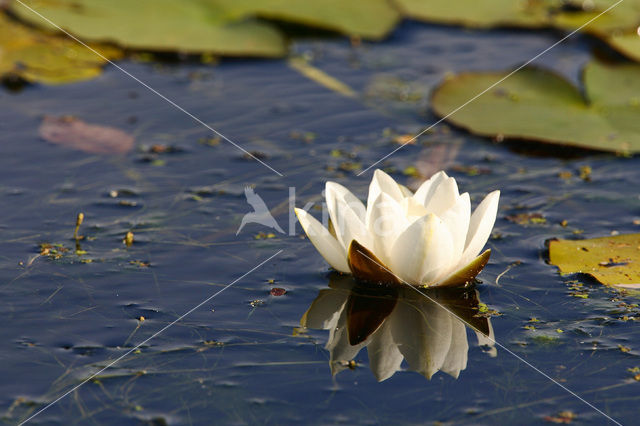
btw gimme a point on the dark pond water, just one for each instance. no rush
(242, 357)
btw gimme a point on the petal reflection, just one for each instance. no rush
(426, 328)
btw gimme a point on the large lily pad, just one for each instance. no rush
(371, 19)
(40, 57)
(480, 14)
(190, 26)
(610, 260)
(626, 43)
(616, 26)
(539, 105)
(599, 17)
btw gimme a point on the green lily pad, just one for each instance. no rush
(192, 26)
(40, 57)
(480, 14)
(565, 14)
(626, 43)
(623, 16)
(610, 260)
(617, 27)
(372, 19)
(535, 104)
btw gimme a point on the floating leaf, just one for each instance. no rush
(372, 19)
(610, 260)
(75, 133)
(617, 26)
(626, 43)
(539, 105)
(192, 26)
(480, 14)
(40, 57)
(592, 15)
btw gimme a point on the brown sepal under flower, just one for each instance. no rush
(464, 276)
(366, 266)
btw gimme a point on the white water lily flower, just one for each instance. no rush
(426, 238)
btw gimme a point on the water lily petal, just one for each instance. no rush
(334, 192)
(346, 213)
(386, 221)
(457, 220)
(439, 258)
(352, 228)
(422, 250)
(412, 210)
(444, 196)
(323, 241)
(425, 191)
(405, 191)
(383, 183)
(480, 226)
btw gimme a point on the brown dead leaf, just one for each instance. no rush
(74, 133)
(563, 417)
(407, 139)
(277, 291)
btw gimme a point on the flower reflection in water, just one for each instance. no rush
(397, 323)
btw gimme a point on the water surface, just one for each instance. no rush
(243, 357)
